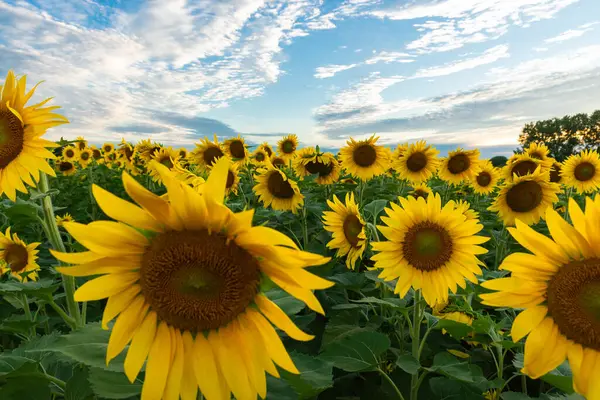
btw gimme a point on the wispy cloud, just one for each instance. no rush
(489, 56)
(572, 33)
(385, 57)
(330, 70)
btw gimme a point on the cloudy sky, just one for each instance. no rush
(465, 73)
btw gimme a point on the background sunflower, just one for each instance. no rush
(364, 158)
(582, 171)
(459, 166)
(275, 189)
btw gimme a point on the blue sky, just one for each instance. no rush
(464, 73)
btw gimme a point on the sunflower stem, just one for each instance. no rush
(27, 310)
(415, 341)
(391, 382)
(91, 193)
(57, 244)
(304, 228)
(568, 196)
(68, 320)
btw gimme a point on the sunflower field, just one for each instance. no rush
(138, 270)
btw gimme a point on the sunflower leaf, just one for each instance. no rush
(113, 385)
(357, 352)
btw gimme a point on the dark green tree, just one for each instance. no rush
(498, 161)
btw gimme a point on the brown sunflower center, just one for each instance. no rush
(230, 179)
(166, 161)
(81, 145)
(484, 179)
(555, 173)
(16, 257)
(183, 153)
(524, 196)
(574, 302)
(65, 166)
(427, 246)
(288, 147)
(11, 137)
(69, 153)
(523, 168)
(364, 155)
(585, 171)
(237, 149)
(536, 155)
(197, 281)
(128, 153)
(317, 167)
(458, 164)
(420, 193)
(260, 157)
(352, 228)
(268, 150)
(96, 154)
(279, 187)
(278, 162)
(416, 162)
(85, 156)
(107, 149)
(212, 154)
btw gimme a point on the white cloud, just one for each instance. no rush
(330, 70)
(572, 33)
(489, 56)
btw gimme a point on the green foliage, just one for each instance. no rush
(498, 161)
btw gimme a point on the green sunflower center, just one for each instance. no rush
(484, 179)
(555, 173)
(352, 228)
(458, 164)
(166, 161)
(237, 150)
(85, 156)
(427, 246)
(523, 168)
(524, 196)
(230, 179)
(585, 171)
(211, 154)
(16, 257)
(416, 162)
(260, 157)
(69, 153)
(364, 155)
(65, 166)
(107, 148)
(196, 280)
(279, 187)
(11, 137)
(288, 147)
(574, 302)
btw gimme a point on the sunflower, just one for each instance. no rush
(418, 163)
(348, 229)
(521, 165)
(464, 208)
(364, 159)
(65, 218)
(183, 153)
(147, 149)
(23, 152)
(207, 153)
(266, 148)
(18, 258)
(188, 177)
(460, 165)
(66, 167)
(309, 162)
(429, 247)
(260, 157)
(70, 153)
(399, 151)
(539, 151)
(97, 154)
(110, 158)
(126, 152)
(555, 172)
(348, 181)
(167, 157)
(85, 157)
(81, 143)
(108, 148)
(421, 191)
(526, 198)
(286, 147)
(233, 179)
(236, 149)
(486, 179)
(275, 189)
(556, 285)
(186, 294)
(582, 171)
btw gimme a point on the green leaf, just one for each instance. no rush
(450, 389)
(280, 389)
(375, 207)
(289, 304)
(349, 280)
(22, 212)
(113, 385)
(315, 375)
(408, 363)
(26, 388)
(357, 352)
(389, 302)
(456, 329)
(561, 377)
(11, 364)
(446, 364)
(41, 288)
(514, 396)
(20, 323)
(78, 387)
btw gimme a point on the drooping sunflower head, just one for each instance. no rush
(348, 229)
(540, 152)
(81, 143)
(66, 167)
(85, 157)
(97, 154)
(582, 171)
(126, 153)
(18, 258)
(207, 152)
(70, 153)
(65, 218)
(420, 191)
(521, 165)
(23, 152)
(183, 153)
(233, 179)
(108, 148)
(236, 149)
(188, 289)
(428, 247)
(278, 161)
(266, 147)
(167, 157)
(460, 166)
(260, 157)
(399, 152)
(485, 181)
(418, 163)
(556, 285)
(275, 189)
(555, 172)
(287, 146)
(526, 198)
(310, 162)
(364, 158)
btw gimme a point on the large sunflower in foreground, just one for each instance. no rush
(186, 293)
(460, 165)
(312, 162)
(275, 189)
(418, 163)
(526, 198)
(521, 165)
(236, 149)
(364, 158)
(429, 247)
(207, 153)
(582, 171)
(348, 228)
(557, 286)
(18, 258)
(287, 146)
(485, 181)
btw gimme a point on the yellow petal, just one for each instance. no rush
(541, 341)
(108, 238)
(140, 346)
(205, 368)
(527, 321)
(254, 370)
(215, 184)
(300, 293)
(125, 326)
(176, 372)
(159, 364)
(76, 258)
(118, 303)
(280, 319)
(261, 356)
(108, 265)
(189, 384)
(105, 286)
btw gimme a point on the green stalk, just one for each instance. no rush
(416, 345)
(57, 244)
(68, 320)
(304, 227)
(27, 310)
(391, 382)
